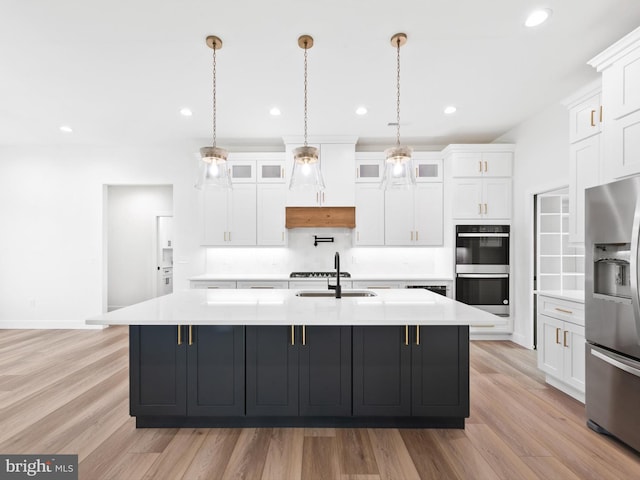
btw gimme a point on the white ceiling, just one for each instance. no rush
(119, 71)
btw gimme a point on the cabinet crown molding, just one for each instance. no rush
(616, 51)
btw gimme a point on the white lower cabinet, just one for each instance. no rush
(213, 284)
(263, 285)
(561, 345)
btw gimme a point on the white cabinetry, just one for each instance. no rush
(272, 200)
(482, 198)
(370, 215)
(262, 284)
(250, 213)
(165, 232)
(414, 217)
(585, 122)
(337, 162)
(230, 216)
(561, 344)
(620, 67)
(213, 284)
(481, 184)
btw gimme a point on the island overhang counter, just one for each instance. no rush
(239, 358)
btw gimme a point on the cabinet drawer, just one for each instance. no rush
(561, 309)
(265, 285)
(212, 284)
(377, 285)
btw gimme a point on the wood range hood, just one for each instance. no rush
(332, 217)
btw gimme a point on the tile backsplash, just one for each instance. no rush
(301, 255)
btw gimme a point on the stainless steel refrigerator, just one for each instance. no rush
(612, 309)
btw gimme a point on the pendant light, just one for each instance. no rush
(214, 171)
(398, 171)
(306, 166)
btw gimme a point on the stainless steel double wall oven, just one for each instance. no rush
(482, 267)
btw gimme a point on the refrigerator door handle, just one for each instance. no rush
(620, 364)
(635, 240)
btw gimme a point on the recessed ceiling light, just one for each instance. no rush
(186, 112)
(361, 111)
(66, 129)
(450, 109)
(537, 17)
(275, 111)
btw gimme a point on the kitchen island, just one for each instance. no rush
(238, 358)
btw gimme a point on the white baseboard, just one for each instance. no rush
(47, 325)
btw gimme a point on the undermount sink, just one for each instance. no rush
(330, 293)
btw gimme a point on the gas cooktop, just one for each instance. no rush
(318, 274)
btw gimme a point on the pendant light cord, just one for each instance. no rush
(305, 93)
(398, 95)
(214, 95)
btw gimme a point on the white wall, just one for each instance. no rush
(131, 241)
(541, 164)
(53, 237)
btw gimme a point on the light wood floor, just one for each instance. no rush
(65, 391)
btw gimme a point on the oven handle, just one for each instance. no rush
(616, 361)
(480, 235)
(483, 275)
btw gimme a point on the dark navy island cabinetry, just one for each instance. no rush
(299, 376)
(180, 372)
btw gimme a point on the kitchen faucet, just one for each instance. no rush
(337, 287)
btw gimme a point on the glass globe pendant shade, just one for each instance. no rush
(306, 169)
(398, 168)
(214, 171)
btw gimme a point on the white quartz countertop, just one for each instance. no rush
(234, 277)
(283, 307)
(570, 295)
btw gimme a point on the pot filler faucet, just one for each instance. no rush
(337, 287)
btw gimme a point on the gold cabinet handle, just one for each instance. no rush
(416, 172)
(485, 167)
(417, 334)
(480, 166)
(357, 172)
(600, 113)
(593, 123)
(317, 197)
(486, 209)
(406, 334)
(304, 335)
(412, 235)
(179, 335)
(569, 312)
(293, 335)
(564, 340)
(479, 209)
(558, 335)
(416, 235)
(229, 236)
(322, 197)
(190, 334)
(225, 236)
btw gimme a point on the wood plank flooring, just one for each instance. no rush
(66, 391)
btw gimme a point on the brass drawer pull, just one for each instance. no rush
(179, 335)
(557, 335)
(293, 335)
(304, 335)
(565, 338)
(593, 123)
(406, 334)
(568, 312)
(417, 334)
(190, 334)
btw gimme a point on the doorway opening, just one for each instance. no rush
(139, 243)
